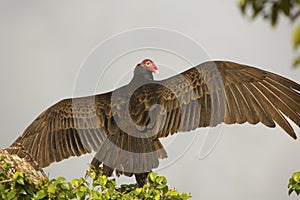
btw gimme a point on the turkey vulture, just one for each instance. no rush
(124, 126)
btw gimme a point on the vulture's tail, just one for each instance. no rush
(129, 155)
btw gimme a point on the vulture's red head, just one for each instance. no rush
(149, 65)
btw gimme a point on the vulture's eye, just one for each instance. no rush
(148, 64)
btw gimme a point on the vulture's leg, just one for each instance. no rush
(95, 162)
(107, 171)
(141, 178)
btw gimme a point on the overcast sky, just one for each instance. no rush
(51, 50)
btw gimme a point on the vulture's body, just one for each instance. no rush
(124, 126)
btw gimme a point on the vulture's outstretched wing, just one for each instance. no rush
(71, 127)
(216, 92)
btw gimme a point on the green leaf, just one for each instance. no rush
(285, 6)
(11, 194)
(92, 174)
(75, 182)
(83, 189)
(20, 180)
(172, 193)
(40, 194)
(274, 14)
(6, 166)
(2, 158)
(18, 174)
(2, 188)
(163, 188)
(152, 176)
(60, 179)
(185, 196)
(242, 5)
(22, 191)
(296, 36)
(296, 61)
(51, 189)
(138, 191)
(161, 180)
(294, 184)
(257, 7)
(157, 196)
(296, 177)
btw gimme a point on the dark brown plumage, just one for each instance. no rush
(124, 126)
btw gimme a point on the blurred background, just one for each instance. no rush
(47, 53)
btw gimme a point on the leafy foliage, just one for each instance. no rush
(272, 10)
(294, 183)
(21, 187)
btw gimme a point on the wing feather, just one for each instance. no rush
(244, 109)
(268, 102)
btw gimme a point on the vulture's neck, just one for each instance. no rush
(141, 76)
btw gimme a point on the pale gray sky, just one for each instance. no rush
(43, 45)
